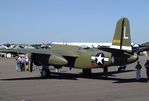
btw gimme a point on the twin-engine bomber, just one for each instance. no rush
(120, 53)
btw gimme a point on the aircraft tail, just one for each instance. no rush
(122, 38)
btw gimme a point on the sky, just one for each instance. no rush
(45, 21)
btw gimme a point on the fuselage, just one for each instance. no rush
(77, 57)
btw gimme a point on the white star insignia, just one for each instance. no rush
(99, 58)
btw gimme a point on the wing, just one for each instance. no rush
(112, 50)
(43, 56)
(27, 51)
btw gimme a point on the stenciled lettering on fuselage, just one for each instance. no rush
(99, 58)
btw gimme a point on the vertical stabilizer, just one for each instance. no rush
(122, 38)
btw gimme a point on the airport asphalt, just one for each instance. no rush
(71, 85)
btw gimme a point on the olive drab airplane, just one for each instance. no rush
(120, 53)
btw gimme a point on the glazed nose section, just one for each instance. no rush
(57, 60)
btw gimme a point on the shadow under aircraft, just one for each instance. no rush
(72, 76)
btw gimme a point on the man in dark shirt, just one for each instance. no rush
(138, 71)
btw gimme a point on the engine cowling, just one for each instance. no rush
(57, 60)
(44, 59)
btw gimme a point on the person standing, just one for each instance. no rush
(17, 63)
(138, 71)
(26, 63)
(146, 65)
(22, 63)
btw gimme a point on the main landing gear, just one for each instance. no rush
(45, 72)
(105, 71)
(87, 72)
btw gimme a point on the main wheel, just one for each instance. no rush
(45, 72)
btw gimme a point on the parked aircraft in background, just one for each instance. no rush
(144, 47)
(84, 44)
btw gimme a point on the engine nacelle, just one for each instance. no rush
(44, 59)
(57, 60)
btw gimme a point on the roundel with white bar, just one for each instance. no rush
(99, 58)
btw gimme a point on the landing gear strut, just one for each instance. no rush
(45, 72)
(31, 66)
(105, 71)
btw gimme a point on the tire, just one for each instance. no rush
(45, 73)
